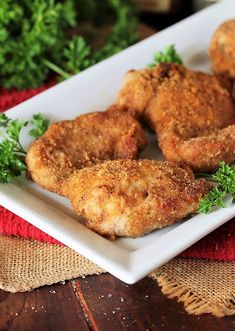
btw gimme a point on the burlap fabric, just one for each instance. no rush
(203, 286)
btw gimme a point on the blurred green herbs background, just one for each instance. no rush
(41, 36)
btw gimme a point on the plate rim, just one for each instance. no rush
(128, 270)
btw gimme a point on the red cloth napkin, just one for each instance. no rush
(219, 245)
(11, 98)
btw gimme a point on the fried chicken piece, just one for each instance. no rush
(227, 83)
(138, 90)
(192, 113)
(89, 139)
(222, 49)
(132, 198)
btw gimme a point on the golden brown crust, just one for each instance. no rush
(203, 153)
(222, 49)
(137, 90)
(87, 140)
(186, 107)
(131, 198)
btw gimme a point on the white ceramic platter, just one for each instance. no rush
(95, 89)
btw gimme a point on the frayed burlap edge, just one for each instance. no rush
(203, 286)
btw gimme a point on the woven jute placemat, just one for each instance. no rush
(203, 286)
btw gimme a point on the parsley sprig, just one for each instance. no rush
(41, 125)
(37, 37)
(12, 154)
(79, 54)
(224, 179)
(169, 55)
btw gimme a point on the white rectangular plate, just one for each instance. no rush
(95, 89)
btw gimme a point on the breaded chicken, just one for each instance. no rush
(131, 198)
(222, 49)
(192, 113)
(89, 139)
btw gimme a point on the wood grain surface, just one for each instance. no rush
(101, 303)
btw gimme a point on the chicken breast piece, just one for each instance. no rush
(192, 113)
(131, 198)
(222, 49)
(89, 139)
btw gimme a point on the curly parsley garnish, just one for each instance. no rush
(224, 179)
(169, 55)
(12, 154)
(41, 125)
(38, 36)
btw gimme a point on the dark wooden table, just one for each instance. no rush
(101, 303)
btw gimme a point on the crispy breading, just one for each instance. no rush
(191, 112)
(222, 49)
(138, 89)
(89, 139)
(131, 198)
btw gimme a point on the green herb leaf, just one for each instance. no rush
(41, 124)
(78, 55)
(36, 36)
(212, 199)
(3, 120)
(11, 160)
(12, 154)
(14, 127)
(224, 179)
(169, 55)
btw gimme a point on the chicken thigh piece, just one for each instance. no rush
(192, 113)
(222, 49)
(89, 139)
(131, 198)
